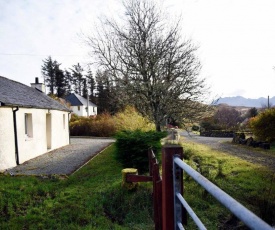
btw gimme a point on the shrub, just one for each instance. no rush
(80, 126)
(74, 117)
(130, 119)
(132, 148)
(101, 126)
(195, 128)
(208, 123)
(105, 125)
(263, 125)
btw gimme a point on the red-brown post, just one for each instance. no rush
(168, 152)
(157, 197)
(152, 160)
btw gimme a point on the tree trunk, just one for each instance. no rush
(158, 129)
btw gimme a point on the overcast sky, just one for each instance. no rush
(236, 39)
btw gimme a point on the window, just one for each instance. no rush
(28, 125)
(78, 107)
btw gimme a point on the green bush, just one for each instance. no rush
(195, 128)
(132, 148)
(263, 125)
(80, 126)
(209, 123)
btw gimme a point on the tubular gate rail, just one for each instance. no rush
(170, 208)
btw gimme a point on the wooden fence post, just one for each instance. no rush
(157, 196)
(129, 184)
(168, 152)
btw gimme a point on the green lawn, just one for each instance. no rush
(92, 198)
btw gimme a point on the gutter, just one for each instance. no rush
(15, 135)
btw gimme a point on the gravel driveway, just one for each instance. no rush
(224, 144)
(64, 160)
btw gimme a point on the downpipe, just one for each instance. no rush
(69, 127)
(15, 135)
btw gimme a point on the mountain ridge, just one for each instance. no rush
(247, 102)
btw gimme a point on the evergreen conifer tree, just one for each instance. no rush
(77, 78)
(48, 73)
(68, 82)
(91, 85)
(60, 83)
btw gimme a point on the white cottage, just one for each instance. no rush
(31, 123)
(81, 106)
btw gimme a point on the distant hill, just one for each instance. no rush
(247, 102)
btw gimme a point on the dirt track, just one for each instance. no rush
(224, 144)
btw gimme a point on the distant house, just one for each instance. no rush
(31, 123)
(80, 106)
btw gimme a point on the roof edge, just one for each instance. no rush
(32, 107)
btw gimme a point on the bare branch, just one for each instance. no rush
(157, 70)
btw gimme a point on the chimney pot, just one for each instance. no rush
(39, 86)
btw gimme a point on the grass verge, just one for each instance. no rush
(252, 185)
(270, 152)
(92, 198)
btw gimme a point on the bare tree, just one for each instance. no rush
(228, 118)
(145, 54)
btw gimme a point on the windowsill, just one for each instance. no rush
(27, 138)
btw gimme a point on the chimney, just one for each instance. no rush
(37, 85)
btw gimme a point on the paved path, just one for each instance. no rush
(224, 144)
(64, 160)
(214, 142)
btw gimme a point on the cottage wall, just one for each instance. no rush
(7, 148)
(60, 129)
(35, 145)
(46, 130)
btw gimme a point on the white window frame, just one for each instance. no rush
(28, 125)
(64, 121)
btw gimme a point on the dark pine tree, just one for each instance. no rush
(91, 85)
(107, 94)
(102, 95)
(60, 82)
(77, 78)
(102, 100)
(48, 73)
(68, 82)
(84, 89)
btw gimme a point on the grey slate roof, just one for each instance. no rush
(77, 100)
(13, 93)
